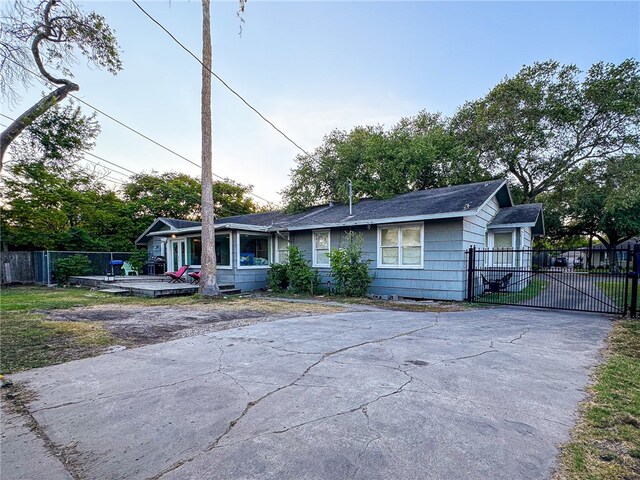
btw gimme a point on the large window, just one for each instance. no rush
(321, 248)
(223, 250)
(254, 250)
(400, 246)
(282, 247)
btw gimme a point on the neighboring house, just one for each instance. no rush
(600, 255)
(416, 242)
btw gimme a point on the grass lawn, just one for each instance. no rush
(614, 289)
(30, 339)
(606, 442)
(530, 291)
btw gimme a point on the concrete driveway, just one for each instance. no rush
(478, 394)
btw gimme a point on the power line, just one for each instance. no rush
(114, 180)
(111, 179)
(136, 131)
(219, 78)
(91, 154)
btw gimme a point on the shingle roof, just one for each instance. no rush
(437, 201)
(527, 214)
(456, 200)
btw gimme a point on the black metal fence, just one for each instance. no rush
(603, 281)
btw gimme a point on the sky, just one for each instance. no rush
(311, 67)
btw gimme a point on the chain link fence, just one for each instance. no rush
(45, 263)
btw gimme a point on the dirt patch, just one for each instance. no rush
(135, 325)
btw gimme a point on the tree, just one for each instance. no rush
(51, 201)
(547, 121)
(209, 280)
(44, 37)
(603, 201)
(177, 195)
(419, 152)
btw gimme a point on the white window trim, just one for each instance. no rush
(280, 237)
(218, 266)
(400, 266)
(269, 247)
(314, 262)
(492, 247)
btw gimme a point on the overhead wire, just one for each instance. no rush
(155, 142)
(114, 180)
(227, 86)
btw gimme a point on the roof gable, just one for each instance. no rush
(527, 215)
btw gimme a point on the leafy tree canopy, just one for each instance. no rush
(177, 195)
(543, 124)
(419, 152)
(603, 200)
(53, 201)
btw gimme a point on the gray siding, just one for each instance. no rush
(475, 226)
(474, 233)
(442, 276)
(527, 239)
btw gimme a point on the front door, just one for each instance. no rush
(177, 254)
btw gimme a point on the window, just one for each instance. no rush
(194, 246)
(254, 250)
(503, 248)
(400, 246)
(282, 247)
(321, 248)
(223, 250)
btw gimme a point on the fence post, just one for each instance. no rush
(48, 257)
(470, 274)
(633, 310)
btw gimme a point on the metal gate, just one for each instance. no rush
(587, 280)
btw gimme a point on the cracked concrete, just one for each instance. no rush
(373, 394)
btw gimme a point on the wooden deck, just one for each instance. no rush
(151, 286)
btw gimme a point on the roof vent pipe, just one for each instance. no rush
(350, 197)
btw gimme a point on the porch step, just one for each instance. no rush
(229, 291)
(115, 291)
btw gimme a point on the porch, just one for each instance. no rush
(151, 286)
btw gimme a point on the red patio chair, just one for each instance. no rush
(176, 277)
(195, 277)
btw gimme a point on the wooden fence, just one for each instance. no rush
(17, 267)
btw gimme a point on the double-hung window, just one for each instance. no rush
(321, 248)
(503, 243)
(282, 247)
(400, 246)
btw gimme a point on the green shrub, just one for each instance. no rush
(302, 278)
(295, 275)
(278, 278)
(138, 259)
(348, 269)
(71, 266)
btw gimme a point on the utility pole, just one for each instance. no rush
(209, 279)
